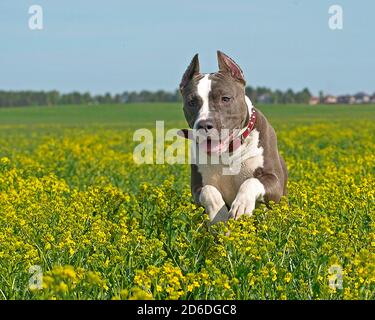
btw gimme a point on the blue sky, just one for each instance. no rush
(114, 45)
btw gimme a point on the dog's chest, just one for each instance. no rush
(249, 157)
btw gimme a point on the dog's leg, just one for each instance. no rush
(196, 183)
(250, 191)
(209, 197)
(267, 187)
(212, 200)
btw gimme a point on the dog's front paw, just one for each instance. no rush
(243, 204)
(214, 204)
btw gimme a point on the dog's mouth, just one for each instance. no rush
(212, 144)
(218, 146)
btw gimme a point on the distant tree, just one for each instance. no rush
(86, 98)
(51, 98)
(289, 96)
(303, 96)
(251, 93)
(321, 96)
(277, 97)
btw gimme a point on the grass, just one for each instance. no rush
(137, 115)
(91, 224)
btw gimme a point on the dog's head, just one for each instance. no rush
(215, 102)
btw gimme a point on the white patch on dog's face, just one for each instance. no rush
(204, 89)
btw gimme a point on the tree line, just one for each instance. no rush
(54, 97)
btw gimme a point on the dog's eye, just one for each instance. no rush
(225, 99)
(192, 103)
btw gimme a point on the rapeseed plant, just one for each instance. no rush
(100, 227)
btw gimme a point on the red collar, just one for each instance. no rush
(238, 141)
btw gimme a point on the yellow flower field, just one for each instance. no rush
(93, 225)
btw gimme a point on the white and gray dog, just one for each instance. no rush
(214, 103)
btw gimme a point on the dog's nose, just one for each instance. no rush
(206, 125)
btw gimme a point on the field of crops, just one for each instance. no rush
(80, 220)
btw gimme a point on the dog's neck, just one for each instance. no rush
(245, 132)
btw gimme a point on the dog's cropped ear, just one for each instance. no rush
(190, 72)
(227, 64)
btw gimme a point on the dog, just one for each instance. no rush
(214, 103)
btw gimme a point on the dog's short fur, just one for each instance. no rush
(217, 101)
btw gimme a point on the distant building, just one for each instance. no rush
(346, 99)
(330, 99)
(362, 97)
(372, 100)
(314, 100)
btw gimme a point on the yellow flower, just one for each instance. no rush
(62, 287)
(288, 277)
(4, 161)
